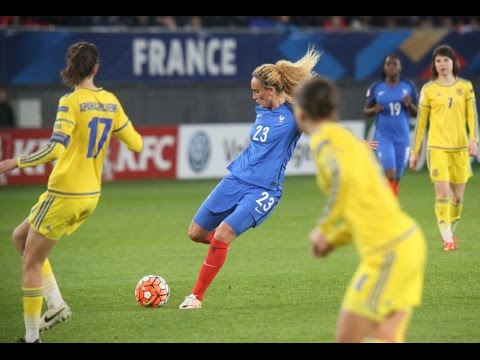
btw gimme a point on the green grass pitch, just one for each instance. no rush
(269, 290)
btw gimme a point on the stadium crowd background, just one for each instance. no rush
(287, 23)
(153, 99)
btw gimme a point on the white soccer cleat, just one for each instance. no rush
(191, 302)
(53, 317)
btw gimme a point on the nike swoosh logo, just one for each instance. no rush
(146, 303)
(48, 319)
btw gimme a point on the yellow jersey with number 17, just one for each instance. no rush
(86, 120)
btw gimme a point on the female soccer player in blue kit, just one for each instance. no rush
(393, 100)
(247, 196)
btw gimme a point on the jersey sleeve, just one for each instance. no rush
(422, 118)
(472, 115)
(332, 181)
(65, 121)
(126, 133)
(59, 140)
(370, 96)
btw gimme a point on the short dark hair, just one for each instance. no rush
(393, 56)
(444, 50)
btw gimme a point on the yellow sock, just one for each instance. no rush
(373, 340)
(455, 213)
(32, 308)
(442, 212)
(50, 287)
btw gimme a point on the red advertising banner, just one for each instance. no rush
(158, 158)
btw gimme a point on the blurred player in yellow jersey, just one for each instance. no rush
(86, 120)
(448, 104)
(361, 208)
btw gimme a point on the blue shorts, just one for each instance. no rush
(241, 205)
(392, 155)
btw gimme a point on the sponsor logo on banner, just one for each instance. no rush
(158, 158)
(199, 151)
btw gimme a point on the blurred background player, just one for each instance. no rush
(247, 196)
(86, 120)
(393, 100)
(448, 104)
(360, 207)
(7, 115)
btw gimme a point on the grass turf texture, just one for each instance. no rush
(269, 290)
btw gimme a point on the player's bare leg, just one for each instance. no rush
(19, 236)
(217, 253)
(353, 328)
(393, 328)
(198, 234)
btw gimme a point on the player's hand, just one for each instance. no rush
(372, 144)
(377, 108)
(407, 100)
(473, 148)
(7, 165)
(413, 161)
(320, 245)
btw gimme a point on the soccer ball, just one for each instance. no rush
(152, 290)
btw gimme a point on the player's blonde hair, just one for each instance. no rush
(284, 76)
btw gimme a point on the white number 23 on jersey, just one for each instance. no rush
(261, 134)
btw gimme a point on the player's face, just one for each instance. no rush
(443, 65)
(263, 96)
(392, 66)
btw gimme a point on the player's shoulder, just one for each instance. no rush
(409, 82)
(373, 86)
(67, 97)
(465, 82)
(287, 108)
(429, 86)
(107, 94)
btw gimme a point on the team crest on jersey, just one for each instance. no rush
(459, 91)
(281, 119)
(404, 92)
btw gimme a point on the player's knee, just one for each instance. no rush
(457, 199)
(342, 337)
(195, 236)
(18, 240)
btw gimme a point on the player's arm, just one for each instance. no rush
(54, 149)
(322, 245)
(371, 107)
(127, 134)
(411, 101)
(472, 121)
(331, 223)
(422, 118)
(50, 152)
